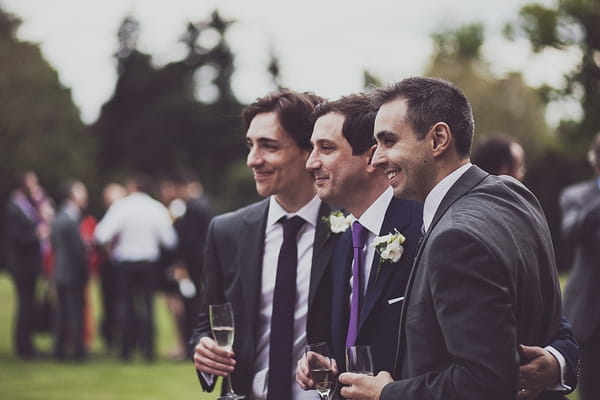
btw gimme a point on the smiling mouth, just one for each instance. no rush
(319, 180)
(260, 175)
(392, 174)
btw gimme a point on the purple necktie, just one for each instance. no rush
(282, 321)
(359, 235)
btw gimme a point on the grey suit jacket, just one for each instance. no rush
(580, 205)
(233, 273)
(484, 280)
(70, 263)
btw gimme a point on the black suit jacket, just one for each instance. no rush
(580, 205)
(70, 262)
(24, 257)
(378, 319)
(484, 280)
(233, 270)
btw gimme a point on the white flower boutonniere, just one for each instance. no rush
(389, 247)
(337, 221)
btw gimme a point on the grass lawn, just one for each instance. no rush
(102, 376)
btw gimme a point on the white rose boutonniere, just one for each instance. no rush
(337, 221)
(389, 247)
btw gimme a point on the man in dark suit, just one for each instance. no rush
(24, 232)
(70, 272)
(242, 265)
(580, 204)
(343, 145)
(484, 277)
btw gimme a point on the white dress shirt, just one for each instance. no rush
(372, 221)
(432, 202)
(139, 226)
(273, 242)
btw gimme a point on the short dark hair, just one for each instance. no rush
(359, 119)
(493, 152)
(141, 181)
(66, 188)
(293, 109)
(429, 101)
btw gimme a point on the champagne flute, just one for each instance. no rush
(319, 364)
(359, 360)
(222, 325)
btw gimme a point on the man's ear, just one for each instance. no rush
(441, 138)
(371, 153)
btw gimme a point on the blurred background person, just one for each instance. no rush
(580, 205)
(191, 227)
(108, 281)
(169, 268)
(25, 231)
(500, 154)
(70, 272)
(139, 227)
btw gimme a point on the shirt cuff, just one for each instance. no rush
(561, 386)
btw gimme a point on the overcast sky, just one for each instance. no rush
(323, 45)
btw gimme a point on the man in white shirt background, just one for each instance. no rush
(136, 228)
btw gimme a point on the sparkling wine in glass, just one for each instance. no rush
(359, 360)
(319, 364)
(223, 328)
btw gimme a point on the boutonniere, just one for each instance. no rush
(389, 247)
(337, 221)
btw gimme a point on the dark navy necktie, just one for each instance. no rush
(359, 236)
(282, 321)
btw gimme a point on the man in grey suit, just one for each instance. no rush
(484, 277)
(580, 205)
(242, 257)
(70, 272)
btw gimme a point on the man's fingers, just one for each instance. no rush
(212, 359)
(303, 375)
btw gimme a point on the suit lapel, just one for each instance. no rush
(397, 217)
(472, 177)
(341, 272)
(251, 254)
(321, 252)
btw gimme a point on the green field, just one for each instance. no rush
(102, 376)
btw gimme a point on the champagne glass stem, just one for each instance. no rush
(230, 391)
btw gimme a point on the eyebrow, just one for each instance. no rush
(263, 140)
(379, 134)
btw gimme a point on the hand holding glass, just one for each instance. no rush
(319, 364)
(359, 360)
(222, 325)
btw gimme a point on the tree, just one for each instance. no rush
(504, 104)
(571, 23)
(181, 114)
(40, 127)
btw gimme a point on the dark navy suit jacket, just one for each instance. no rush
(378, 324)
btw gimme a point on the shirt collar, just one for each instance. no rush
(434, 198)
(309, 212)
(372, 218)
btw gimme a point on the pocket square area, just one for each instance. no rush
(395, 300)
